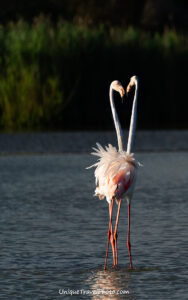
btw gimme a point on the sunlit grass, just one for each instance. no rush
(44, 66)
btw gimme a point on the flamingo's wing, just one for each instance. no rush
(124, 180)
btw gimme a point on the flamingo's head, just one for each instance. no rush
(117, 86)
(133, 81)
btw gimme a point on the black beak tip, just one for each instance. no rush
(123, 98)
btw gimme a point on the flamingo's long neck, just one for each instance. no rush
(132, 128)
(116, 121)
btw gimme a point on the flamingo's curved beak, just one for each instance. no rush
(123, 98)
(122, 94)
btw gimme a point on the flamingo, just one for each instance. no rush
(116, 171)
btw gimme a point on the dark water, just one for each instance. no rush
(53, 231)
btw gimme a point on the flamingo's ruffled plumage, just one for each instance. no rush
(115, 172)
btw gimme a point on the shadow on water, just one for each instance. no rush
(117, 269)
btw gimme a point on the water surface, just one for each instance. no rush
(54, 232)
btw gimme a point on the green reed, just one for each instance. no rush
(45, 68)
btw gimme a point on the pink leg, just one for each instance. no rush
(112, 238)
(128, 238)
(115, 232)
(109, 232)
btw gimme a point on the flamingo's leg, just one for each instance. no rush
(109, 231)
(112, 239)
(115, 232)
(128, 238)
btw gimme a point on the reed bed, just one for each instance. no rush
(53, 76)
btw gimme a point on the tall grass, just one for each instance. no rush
(53, 76)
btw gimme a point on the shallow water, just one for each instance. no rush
(54, 232)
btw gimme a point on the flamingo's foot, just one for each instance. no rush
(114, 266)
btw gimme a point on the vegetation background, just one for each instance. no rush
(58, 58)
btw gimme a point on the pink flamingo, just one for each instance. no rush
(115, 171)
